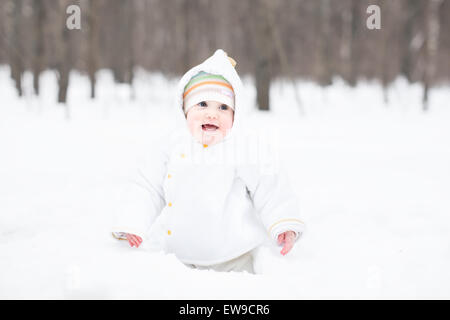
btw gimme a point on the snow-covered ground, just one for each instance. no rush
(373, 181)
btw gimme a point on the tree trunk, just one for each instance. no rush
(354, 60)
(323, 69)
(432, 45)
(412, 8)
(64, 66)
(17, 65)
(262, 77)
(278, 47)
(131, 49)
(93, 50)
(63, 84)
(264, 48)
(38, 61)
(385, 58)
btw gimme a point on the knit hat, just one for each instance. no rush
(206, 86)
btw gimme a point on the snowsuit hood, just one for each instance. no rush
(218, 64)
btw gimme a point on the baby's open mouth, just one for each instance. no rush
(209, 127)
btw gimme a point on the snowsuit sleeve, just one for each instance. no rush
(273, 197)
(142, 196)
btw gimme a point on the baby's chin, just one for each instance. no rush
(210, 138)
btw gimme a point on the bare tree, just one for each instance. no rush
(38, 57)
(264, 53)
(346, 43)
(93, 39)
(432, 45)
(16, 47)
(323, 67)
(183, 34)
(64, 49)
(278, 47)
(409, 50)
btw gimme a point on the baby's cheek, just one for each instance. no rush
(225, 128)
(229, 121)
(192, 122)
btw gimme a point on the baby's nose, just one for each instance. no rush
(211, 114)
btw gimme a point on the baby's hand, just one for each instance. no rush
(288, 238)
(134, 240)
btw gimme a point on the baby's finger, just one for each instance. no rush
(290, 236)
(287, 247)
(289, 243)
(131, 240)
(281, 238)
(136, 241)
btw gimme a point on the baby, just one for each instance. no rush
(216, 205)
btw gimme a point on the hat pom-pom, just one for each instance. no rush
(232, 61)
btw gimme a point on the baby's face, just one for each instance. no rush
(210, 121)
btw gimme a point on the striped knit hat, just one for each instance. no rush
(206, 86)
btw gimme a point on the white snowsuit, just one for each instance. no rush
(216, 202)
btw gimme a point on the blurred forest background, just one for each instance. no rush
(314, 40)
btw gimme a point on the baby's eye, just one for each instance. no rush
(224, 107)
(203, 104)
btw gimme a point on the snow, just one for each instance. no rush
(373, 181)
